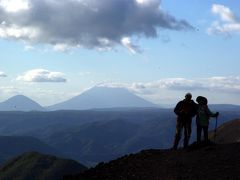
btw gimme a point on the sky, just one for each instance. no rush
(53, 50)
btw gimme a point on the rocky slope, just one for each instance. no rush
(228, 132)
(209, 162)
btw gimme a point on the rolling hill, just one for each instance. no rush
(33, 165)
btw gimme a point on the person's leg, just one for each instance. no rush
(185, 145)
(199, 133)
(205, 131)
(187, 132)
(177, 134)
(189, 127)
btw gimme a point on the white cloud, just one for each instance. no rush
(225, 84)
(14, 5)
(144, 2)
(28, 48)
(42, 75)
(220, 84)
(2, 74)
(169, 90)
(62, 47)
(89, 24)
(8, 90)
(130, 46)
(228, 23)
(224, 12)
(18, 32)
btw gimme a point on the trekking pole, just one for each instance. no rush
(215, 131)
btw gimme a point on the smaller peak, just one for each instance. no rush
(20, 103)
(20, 96)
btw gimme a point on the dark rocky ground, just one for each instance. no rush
(214, 162)
(229, 132)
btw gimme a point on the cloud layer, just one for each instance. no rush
(42, 75)
(214, 84)
(228, 22)
(170, 90)
(2, 74)
(84, 23)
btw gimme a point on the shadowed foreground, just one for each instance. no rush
(209, 162)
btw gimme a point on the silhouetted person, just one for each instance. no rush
(202, 118)
(185, 111)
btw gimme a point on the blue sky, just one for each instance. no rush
(53, 50)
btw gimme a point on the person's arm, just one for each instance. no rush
(177, 109)
(194, 109)
(210, 113)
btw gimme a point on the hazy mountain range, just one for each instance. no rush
(202, 162)
(92, 136)
(94, 98)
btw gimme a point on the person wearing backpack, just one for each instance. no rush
(185, 111)
(202, 119)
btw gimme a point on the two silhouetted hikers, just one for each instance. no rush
(185, 111)
(203, 117)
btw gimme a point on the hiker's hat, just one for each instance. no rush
(201, 99)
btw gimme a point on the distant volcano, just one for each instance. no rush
(103, 97)
(20, 103)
